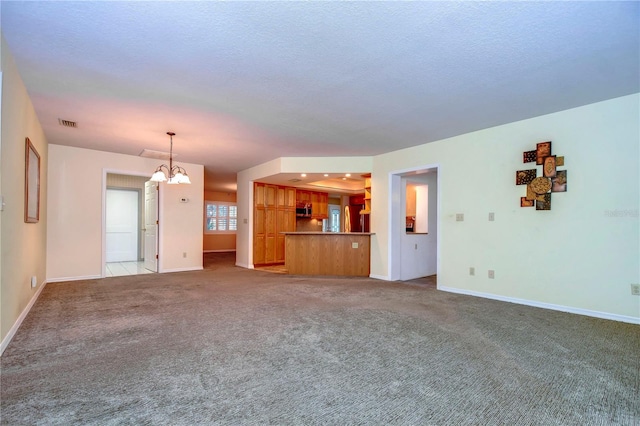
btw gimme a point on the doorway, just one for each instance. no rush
(126, 246)
(414, 223)
(122, 225)
(332, 223)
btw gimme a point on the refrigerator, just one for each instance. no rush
(354, 221)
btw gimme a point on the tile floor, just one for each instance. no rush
(118, 269)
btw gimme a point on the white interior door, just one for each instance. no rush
(151, 226)
(122, 226)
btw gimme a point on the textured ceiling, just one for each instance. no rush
(242, 83)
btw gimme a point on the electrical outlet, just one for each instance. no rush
(635, 289)
(492, 216)
(416, 246)
(472, 270)
(459, 217)
(492, 274)
(354, 245)
(184, 254)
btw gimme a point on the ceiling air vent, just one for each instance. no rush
(158, 155)
(67, 123)
(295, 180)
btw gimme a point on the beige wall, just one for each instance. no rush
(75, 232)
(23, 245)
(219, 242)
(581, 255)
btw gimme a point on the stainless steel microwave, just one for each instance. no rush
(303, 210)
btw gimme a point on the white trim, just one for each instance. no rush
(393, 244)
(393, 237)
(380, 277)
(551, 306)
(193, 268)
(63, 279)
(244, 265)
(219, 251)
(105, 171)
(16, 325)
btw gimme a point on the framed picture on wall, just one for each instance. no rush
(31, 183)
(559, 182)
(543, 149)
(526, 203)
(524, 177)
(549, 166)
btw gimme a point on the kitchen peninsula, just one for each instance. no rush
(328, 253)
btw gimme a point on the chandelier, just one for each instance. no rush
(176, 173)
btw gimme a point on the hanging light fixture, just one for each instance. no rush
(176, 173)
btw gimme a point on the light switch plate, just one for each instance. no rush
(354, 245)
(492, 216)
(459, 217)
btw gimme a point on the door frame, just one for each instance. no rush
(396, 193)
(106, 171)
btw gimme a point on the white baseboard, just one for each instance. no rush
(379, 277)
(219, 251)
(12, 331)
(553, 307)
(86, 277)
(192, 268)
(244, 265)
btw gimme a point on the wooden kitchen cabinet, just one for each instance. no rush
(319, 205)
(324, 205)
(270, 249)
(281, 203)
(290, 198)
(318, 200)
(258, 249)
(258, 195)
(367, 195)
(258, 221)
(356, 200)
(286, 198)
(286, 222)
(265, 195)
(270, 221)
(274, 213)
(270, 195)
(303, 196)
(315, 205)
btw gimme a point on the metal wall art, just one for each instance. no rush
(540, 188)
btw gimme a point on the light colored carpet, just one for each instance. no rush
(239, 347)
